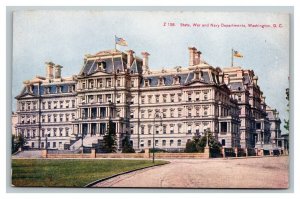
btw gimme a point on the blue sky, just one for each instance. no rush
(65, 36)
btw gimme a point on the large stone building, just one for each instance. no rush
(172, 105)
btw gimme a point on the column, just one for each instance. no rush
(89, 128)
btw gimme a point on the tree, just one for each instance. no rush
(17, 143)
(190, 147)
(199, 142)
(127, 147)
(109, 139)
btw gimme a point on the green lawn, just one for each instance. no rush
(69, 172)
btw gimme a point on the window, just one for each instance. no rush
(83, 85)
(61, 104)
(157, 129)
(55, 105)
(49, 105)
(54, 118)
(171, 142)
(143, 99)
(54, 132)
(67, 117)
(172, 98)
(239, 98)
(34, 106)
(164, 142)
(197, 130)
(179, 128)
(91, 83)
(146, 83)
(178, 142)
(108, 82)
(189, 112)
(179, 112)
(44, 105)
(132, 83)
(189, 97)
(132, 100)
(33, 133)
(172, 113)
(60, 132)
(118, 82)
(149, 99)
(156, 142)
(197, 96)
(42, 144)
(33, 120)
(197, 112)
(189, 129)
(205, 96)
(205, 111)
(223, 127)
(28, 106)
(172, 129)
(157, 98)
(23, 106)
(43, 132)
(32, 144)
(149, 142)
(54, 144)
(258, 125)
(164, 113)
(73, 103)
(142, 129)
(164, 129)
(149, 129)
(108, 97)
(99, 98)
(100, 83)
(149, 113)
(223, 142)
(67, 132)
(164, 98)
(131, 114)
(61, 117)
(179, 97)
(131, 130)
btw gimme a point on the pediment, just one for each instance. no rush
(196, 83)
(25, 95)
(98, 73)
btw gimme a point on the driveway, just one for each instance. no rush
(266, 172)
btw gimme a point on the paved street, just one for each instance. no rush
(266, 172)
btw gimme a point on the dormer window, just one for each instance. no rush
(161, 81)
(146, 83)
(101, 65)
(176, 80)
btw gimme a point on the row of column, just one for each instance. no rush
(97, 130)
(107, 112)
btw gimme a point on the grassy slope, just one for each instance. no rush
(69, 172)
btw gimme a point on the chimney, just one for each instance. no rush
(49, 70)
(197, 57)
(255, 78)
(226, 79)
(145, 60)
(57, 71)
(129, 58)
(192, 52)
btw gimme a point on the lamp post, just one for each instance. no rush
(154, 129)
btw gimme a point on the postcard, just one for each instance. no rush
(150, 99)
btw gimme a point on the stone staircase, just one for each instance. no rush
(88, 141)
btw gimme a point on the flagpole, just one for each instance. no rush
(115, 43)
(232, 57)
